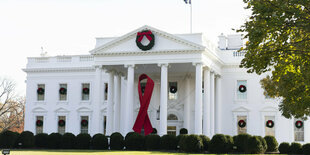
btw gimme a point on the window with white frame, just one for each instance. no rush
(61, 124)
(173, 90)
(84, 124)
(40, 92)
(39, 124)
(242, 89)
(269, 125)
(62, 92)
(105, 91)
(85, 91)
(242, 124)
(299, 130)
(104, 125)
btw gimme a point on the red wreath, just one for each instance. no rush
(299, 124)
(63, 91)
(241, 123)
(149, 35)
(39, 123)
(61, 122)
(242, 88)
(270, 124)
(84, 122)
(40, 91)
(85, 90)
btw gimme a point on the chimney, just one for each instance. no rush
(234, 42)
(222, 42)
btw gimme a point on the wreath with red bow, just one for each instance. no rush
(149, 35)
(85, 90)
(241, 123)
(270, 124)
(63, 91)
(299, 124)
(39, 123)
(242, 88)
(40, 91)
(61, 123)
(84, 122)
(173, 89)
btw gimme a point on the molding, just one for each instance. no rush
(65, 69)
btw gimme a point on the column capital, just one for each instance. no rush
(111, 71)
(98, 66)
(197, 63)
(162, 64)
(206, 68)
(217, 76)
(129, 65)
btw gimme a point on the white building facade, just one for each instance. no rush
(198, 86)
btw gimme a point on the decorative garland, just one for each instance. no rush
(299, 124)
(149, 35)
(86, 91)
(241, 123)
(40, 91)
(84, 122)
(242, 88)
(61, 123)
(173, 89)
(39, 123)
(270, 124)
(63, 91)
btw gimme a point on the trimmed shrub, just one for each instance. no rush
(168, 142)
(54, 140)
(8, 139)
(205, 142)
(272, 144)
(152, 142)
(134, 141)
(218, 144)
(154, 132)
(116, 141)
(183, 131)
(306, 148)
(255, 145)
(241, 142)
(284, 148)
(82, 141)
(193, 143)
(182, 142)
(41, 140)
(68, 141)
(264, 143)
(230, 143)
(100, 142)
(26, 139)
(295, 148)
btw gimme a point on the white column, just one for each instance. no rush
(212, 104)
(198, 99)
(110, 103)
(95, 126)
(129, 98)
(163, 99)
(218, 104)
(187, 103)
(206, 103)
(117, 102)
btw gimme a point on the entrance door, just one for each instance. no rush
(172, 130)
(172, 124)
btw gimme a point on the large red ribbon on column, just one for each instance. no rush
(143, 119)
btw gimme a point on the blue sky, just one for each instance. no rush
(69, 27)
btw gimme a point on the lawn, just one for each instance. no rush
(90, 152)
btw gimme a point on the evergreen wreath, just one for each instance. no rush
(63, 91)
(242, 88)
(61, 123)
(84, 122)
(299, 124)
(40, 91)
(85, 90)
(149, 35)
(270, 124)
(173, 89)
(241, 123)
(39, 123)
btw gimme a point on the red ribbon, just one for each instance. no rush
(147, 34)
(143, 119)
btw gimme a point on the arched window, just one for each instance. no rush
(172, 117)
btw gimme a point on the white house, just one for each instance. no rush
(198, 86)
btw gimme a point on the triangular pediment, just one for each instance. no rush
(241, 109)
(39, 110)
(164, 42)
(61, 110)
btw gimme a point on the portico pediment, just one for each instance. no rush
(163, 42)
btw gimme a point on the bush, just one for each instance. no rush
(218, 144)
(68, 141)
(181, 140)
(272, 144)
(116, 141)
(100, 142)
(295, 148)
(183, 131)
(255, 145)
(306, 148)
(54, 141)
(193, 143)
(284, 148)
(168, 142)
(134, 141)
(82, 141)
(41, 140)
(230, 143)
(152, 142)
(26, 139)
(154, 132)
(8, 139)
(205, 142)
(241, 142)
(264, 143)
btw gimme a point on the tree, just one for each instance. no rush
(11, 107)
(278, 34)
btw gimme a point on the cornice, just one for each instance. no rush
(126, 53)
(67, 69)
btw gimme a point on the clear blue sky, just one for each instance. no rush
(69, 27)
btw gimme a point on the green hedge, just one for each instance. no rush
(41, 140)
(99, 142)
(272, 144)
(306, 148)
(116, 141)
(152, 142)
(134, 141)
(26, 140)
(206, 142)
(284, 148)
(241, 142)
(82, 141)
(68, 141)
(168, 142)
(218, 144)
(183, 131)
(192, 143)
(295, 148)
(255, 145)
(8, 139)
(54, 141)
(264, 143)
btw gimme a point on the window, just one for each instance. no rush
(242, 124)
(105, 91)
(84, 124)
(299, 130)
(40, 92)
(61, 124)
(142, 84)
(172, 130)
(173, 90)
(269, 131)
(172, 117)
(39, 124)
(62, 92)
(104, 125)
(85, 91)
(242, 89)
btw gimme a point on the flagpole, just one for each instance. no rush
(191, 22)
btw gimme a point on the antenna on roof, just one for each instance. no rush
(43, 54)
